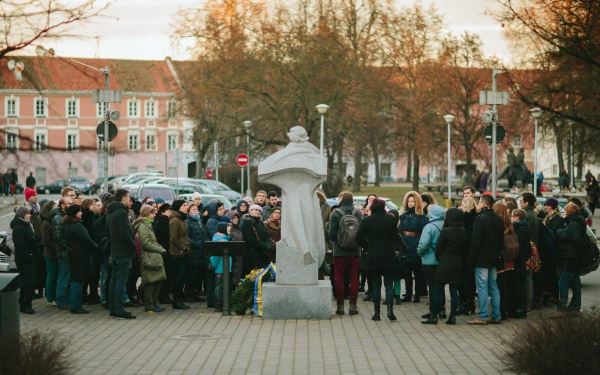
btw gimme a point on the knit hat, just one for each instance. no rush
(196, 195)
(146, 210)
(177, 203)
(159, 201)
(255, 207)
(225, 219)
(73, 209)
(222, 227)
(29, 192)
(551, 202)
(22, 211)
(104, 196)
(276, 208)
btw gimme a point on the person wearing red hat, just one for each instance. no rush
(31, 202)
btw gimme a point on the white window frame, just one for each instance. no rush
(151, 103)
(169, 135)
(77, 140)
(37, 132)
(17, 110)
(519, 138)
(15, 133)
(171, 112)
(150, 134)
(35, 107)
(137, 143)
(75, 100)
(137, 108)
(101, 109)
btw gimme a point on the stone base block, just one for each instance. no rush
(297, 301)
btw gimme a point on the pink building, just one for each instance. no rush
(48, 118)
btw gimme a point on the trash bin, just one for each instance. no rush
(9, 307)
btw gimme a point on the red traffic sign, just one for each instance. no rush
(242, 160)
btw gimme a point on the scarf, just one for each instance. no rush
(550, 216)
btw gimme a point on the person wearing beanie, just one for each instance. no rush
(25, 257)
(179, 249)
(196, 270)
(80, 249)
(235, 234)
(216, 210)
(153, 269)
(104, 196)
(216, 265)
(260, 247)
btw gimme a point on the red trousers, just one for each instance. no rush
(345, 266)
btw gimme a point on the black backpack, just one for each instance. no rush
(589, 255)
(347, 229)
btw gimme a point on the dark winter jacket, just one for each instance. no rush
(58, 231)
(120, 232)
(213, 218)
(345, 208)
(411, 226)
(100, 235)
(522, 231)
(548, 238)
(46, 240)
(179, 242)
(198, 235)
(532, 221)
(257, 240)
(572, 238)
(451, 250)
(87, 219)
(25, 251)
(161, 230)
(30, 181)
(379, 235)
(487, 240)
(80, 249)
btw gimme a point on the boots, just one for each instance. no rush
(433, 319)
(353, 309)
(340, 308)
(390, 312)
(376, 316)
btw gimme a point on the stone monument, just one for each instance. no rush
(298, 170)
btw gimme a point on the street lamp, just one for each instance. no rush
(449, 118)
(322, 108)
(536, 113)
(247, 126)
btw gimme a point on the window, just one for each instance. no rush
(40, 107)
(151, 109)
(12, 141)
(132, 144)
(150, 142)
(132, 170)
(40, 141)
(171, 108)
(40, 175)
(72, 172)
(101, 109)
(72, 110)
(72, 142)
(12, 107)
(132, 109)
(516, 141)
(150, 168)
(171, 142)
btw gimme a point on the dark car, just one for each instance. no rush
(53, 188)
(80, 184)
(96, 186)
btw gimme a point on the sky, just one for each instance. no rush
(141, 29)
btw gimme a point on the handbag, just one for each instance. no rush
(534, 263)
(152, 260)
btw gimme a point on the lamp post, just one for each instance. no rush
(536, 113)
(571, 161)
(449, 118)
(247, 126)
(322, 108)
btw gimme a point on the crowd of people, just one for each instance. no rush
(120, 252)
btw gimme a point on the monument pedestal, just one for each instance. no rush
(297, 301)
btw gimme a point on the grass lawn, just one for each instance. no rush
(394, 192)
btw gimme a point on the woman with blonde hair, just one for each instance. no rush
(411, 223)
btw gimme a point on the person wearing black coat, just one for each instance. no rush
(161, 230)
(451, 253)
(548, 246)
(379, 234)
(519, 288)
(571, 240)
(25, 252)
(80, 249)
(49, 252)
(467, 293)
(260, 247)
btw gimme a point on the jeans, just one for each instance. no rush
(104, 274)
(118, 283)
(76, 295)
(341, 266)
(569, 278)
(437, 296)
(485, 278)
(375, 288)
(51, 278)
(62, 284)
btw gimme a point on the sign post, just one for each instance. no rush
(242, 160)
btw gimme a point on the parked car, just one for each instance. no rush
(187, 186)
(361, 199)
(207, 198)
(81, 184)
(136, 177)
(97, 185)
(154, 191)
(222, 189)
(53, 188)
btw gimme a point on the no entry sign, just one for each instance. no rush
(242, 160)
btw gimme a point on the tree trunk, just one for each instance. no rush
(408, 165)
(415, 172)
(580, 153)
(559, 149)
(357, 169)
(376, 160)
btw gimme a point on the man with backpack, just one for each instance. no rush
(343, 227)
(548, 246)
